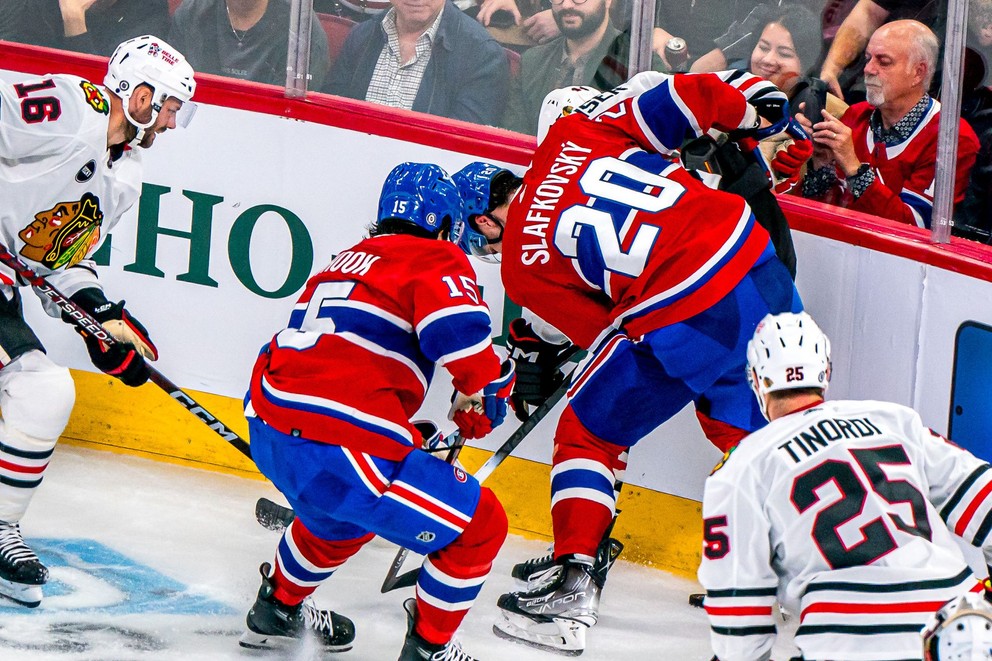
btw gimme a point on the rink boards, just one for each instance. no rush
(238, 209)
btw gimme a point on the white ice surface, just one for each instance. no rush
(198, 529)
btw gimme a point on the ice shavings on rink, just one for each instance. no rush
(154, 562)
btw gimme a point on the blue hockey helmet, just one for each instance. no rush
(475, 182)
(421, 194)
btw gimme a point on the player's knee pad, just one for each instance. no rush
(484, 534)
(36, 396)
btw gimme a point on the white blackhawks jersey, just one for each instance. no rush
(61, 190)
(845, 514)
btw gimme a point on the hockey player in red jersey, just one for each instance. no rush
(68, 175)
(329, 411)
(844, 512)
(660, 278)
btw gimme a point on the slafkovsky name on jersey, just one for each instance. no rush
(546, 198)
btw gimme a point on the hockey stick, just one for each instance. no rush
(393, 576)
(87, 323)
(499, 456)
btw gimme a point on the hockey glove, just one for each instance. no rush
(773, 105)
(124, 360)
(770, 103)
(537, 362)
(477, 415)
(788, 163)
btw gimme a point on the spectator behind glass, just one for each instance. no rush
(570, 59)
(428, 56)
(787, 47)
(85, 26)
(843, 63)
(245, 39)
(710, 26)
(880, 156)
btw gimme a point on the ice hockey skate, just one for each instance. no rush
(555, 615)
(278, 626)
(21, 572)
(416, 648)
(536, 571)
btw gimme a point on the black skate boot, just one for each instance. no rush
(535, 571)
(21, 572)
(416, 648)
(555, 615)
(275, 625)
(531, 570)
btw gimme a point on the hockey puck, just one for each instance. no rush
(696, 599)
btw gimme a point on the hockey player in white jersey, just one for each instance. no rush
(68, 173)
(843, 512)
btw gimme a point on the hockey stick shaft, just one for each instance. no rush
(499, 456)
(87, 323)
(517, 437)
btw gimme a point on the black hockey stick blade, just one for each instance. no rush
(87, 323)
(272, 515)
(696, 599)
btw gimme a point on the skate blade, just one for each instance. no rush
(257, 641)
(561, 636)
(25, 595)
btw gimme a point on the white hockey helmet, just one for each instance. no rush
(788, 351)
(960, 631)
(151, 61)
(559, 103)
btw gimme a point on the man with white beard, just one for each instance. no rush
(880, 156)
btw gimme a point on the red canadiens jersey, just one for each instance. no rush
(362, 343)
(904, 172)
(849, 515)
(606, 231)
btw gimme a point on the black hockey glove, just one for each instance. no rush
(538, 360)
(124, 360)
(771, 104)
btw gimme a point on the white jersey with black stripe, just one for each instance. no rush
(845, 513)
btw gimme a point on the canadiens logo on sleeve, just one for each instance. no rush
(95, 98)
(63, 235)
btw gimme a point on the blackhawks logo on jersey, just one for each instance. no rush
(64, 234)
(95, 98)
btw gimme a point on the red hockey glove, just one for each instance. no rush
(788, 163)
(477, 415)
(124, 360)
(538, 362)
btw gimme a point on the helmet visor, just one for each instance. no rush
(185, 114)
